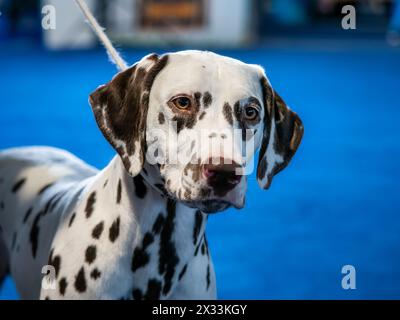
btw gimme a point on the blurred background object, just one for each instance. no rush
(220, 23)
(70, 29)
(394, 27)
(336, 204)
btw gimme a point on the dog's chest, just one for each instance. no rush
(115, 244)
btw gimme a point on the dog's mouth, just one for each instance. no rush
(205, 198)
(211, 205)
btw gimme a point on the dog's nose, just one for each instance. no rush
(222, 176)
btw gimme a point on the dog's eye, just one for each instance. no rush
(251, 113)
(182, 102)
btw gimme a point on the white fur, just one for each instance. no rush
(43, 165)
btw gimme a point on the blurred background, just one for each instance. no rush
(336, 204)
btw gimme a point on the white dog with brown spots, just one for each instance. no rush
(136, 229)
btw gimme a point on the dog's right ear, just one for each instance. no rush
(120, 108)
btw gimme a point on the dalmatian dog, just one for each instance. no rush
(136, 229)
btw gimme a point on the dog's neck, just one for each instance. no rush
(163, 234)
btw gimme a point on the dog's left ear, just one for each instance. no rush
(283, 131)
(120, 108)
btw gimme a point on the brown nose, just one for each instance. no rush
(221, 177)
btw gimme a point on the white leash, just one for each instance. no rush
(98, 30)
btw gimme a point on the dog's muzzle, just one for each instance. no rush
(222, 177)
(223, 182)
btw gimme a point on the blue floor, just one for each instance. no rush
(337, 203)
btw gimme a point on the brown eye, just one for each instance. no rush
(250, 113)
(182, 102)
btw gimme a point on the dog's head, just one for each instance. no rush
(197, 118)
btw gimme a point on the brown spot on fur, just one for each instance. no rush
(90, 204)
(140, 187)
(153, 290)
(185, 120)
(80, 281)
(114, 230)
(227, 110)
(197, 97)
(157, 226)
(95, 274)
(34, 233)
(262, 168)
(208, 276)
(237, 111)
(98, 230)
(71, 220)
(18, 185)
(182, 273)
(119, 191)
(207, 99)
(168, 257)
(55, 262)
(196, 170)
(90, 254)
(161, 118)
(45, 188)
(198, 222)
(180, 122)
(196, 251)
(238, 116)
(27, 215)
(62, 286)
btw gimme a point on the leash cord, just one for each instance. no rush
(99, 31)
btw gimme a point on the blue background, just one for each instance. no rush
(337, 203)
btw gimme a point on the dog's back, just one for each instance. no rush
(29, 179)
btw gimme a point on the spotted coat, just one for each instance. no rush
(136, 230)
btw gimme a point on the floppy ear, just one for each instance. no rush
(120, 108)
(283, 131)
